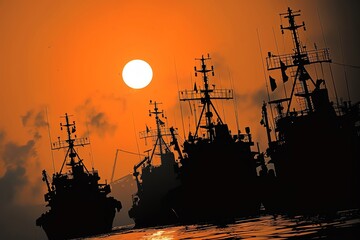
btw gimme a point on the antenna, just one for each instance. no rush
(137, 143)
(345, 74)
(299, 59)
(266, 83)
(205, 95)
(48, 125)
(159, 133)
(235, 104)
(113, 171)
(91, 152)
(322, 70)
(70, 144)
(181, 112)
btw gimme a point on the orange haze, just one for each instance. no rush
(67, 56)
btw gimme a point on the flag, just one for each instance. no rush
(272, 83)
(147, 129)
(304, 76)
(195, 88)
(283, 71)
(161, 122)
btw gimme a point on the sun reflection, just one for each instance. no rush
(161, 235)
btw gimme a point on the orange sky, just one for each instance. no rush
(67, 56)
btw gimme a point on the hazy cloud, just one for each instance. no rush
(16, 155)
(34, 120)
(13, 180)
(254, 99)
(15, 159)
(26, 118)
(98, 120)
(121, 100)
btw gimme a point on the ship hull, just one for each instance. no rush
(151, 208)
(316, 166)
(80, 219)
(152, 214)
(219, 183)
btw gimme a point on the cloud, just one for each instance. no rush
(16, 187)
(34, 121)
(253, 99)
(16, 159)
(118, 99)
(26, 118)
(98, 120)
(13, 180)
(16, 155)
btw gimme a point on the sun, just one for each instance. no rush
(137, 74)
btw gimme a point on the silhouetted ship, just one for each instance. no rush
(79, 205)
(217, 169)
(316, 147)
(154, 182)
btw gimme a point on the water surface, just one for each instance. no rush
(345, 225)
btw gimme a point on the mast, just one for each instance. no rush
(299, 59)
(205, 95)
(157, 134)
(70, 144)
(265, 122)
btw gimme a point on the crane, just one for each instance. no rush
(116, 156)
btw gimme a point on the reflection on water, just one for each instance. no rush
(345, 226)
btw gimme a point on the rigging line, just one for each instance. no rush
(114, 166)
(322, 29)
(235, 103)
(138, 154)
(323, 36)
(277, 49)
(342, 59)
(137, 142)
(266, 84)
(194, 104)
(181, 111)
(346, 65)
(333, 82)
(222, 102)
(331, 73)
(91, 152)
(283, 35)
(48, 125)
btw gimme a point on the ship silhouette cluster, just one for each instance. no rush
(310, 165)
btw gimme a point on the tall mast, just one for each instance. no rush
(299, 59)
(265, 122)
(70, 143)
(159, 133)
(205, 95)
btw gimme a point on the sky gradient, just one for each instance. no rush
(66, 56)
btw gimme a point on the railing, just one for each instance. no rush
(154, 133)
(199, 94)
(65, 143)
(289, 60)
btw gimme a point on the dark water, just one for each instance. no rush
(345, 225)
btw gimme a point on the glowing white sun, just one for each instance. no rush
(137, 74)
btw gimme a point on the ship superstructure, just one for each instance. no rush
(315, 146)
(155, 181)
(217, 169)
(79, 205)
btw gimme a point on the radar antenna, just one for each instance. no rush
(299, 59)
(205, 95)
